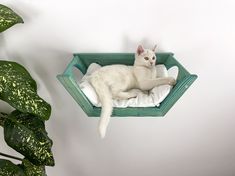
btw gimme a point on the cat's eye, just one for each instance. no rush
(146, 58)
(153, 58)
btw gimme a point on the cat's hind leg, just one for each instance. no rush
(123, 95)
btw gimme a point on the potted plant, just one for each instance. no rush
(24, 128)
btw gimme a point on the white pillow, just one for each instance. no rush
(154, 98)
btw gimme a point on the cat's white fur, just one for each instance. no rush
(118, 81)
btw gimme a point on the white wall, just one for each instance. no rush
(197, 135)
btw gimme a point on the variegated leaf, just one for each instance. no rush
(7, 168)
(8, 18)
(32, 170)
(19, 89)
(2, 118)
(26, 134)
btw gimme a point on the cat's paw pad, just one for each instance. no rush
(171, 81)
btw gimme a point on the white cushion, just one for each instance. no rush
(154, 98)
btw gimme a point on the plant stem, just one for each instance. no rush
(9, 156)
(2, 118)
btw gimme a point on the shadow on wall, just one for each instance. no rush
(130, 45)
(41, 60)
(27, 12)
(44, 67)
(2, 44)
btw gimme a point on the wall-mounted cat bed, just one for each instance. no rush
(82, 61)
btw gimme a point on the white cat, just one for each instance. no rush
(118, 81)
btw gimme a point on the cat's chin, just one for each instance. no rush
(151, 66)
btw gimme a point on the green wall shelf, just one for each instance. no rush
(81, 61)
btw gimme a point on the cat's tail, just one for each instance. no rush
(105, 98)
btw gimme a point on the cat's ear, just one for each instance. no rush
(154, 48)
(140, 49)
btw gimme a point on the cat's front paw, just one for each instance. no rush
(171, 81)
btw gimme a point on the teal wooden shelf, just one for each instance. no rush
(81, 61)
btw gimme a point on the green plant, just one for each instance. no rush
(8, 18)
(24, 128)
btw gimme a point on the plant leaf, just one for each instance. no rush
(8, 18)
(3, 116)
(7, 168)
(26, 134)
(32, 170)
(19, 89)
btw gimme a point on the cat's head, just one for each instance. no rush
(145, 57)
